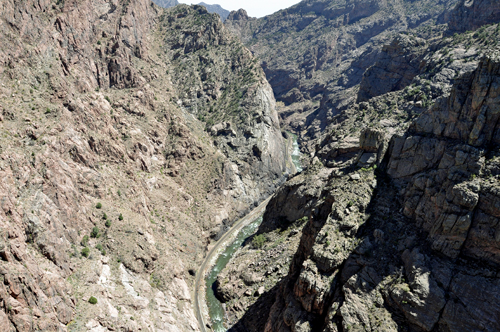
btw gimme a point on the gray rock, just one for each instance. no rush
(474, 305)
(398, 64)
(367, 159)
(472, 14)
(422, 300)
(355, 176)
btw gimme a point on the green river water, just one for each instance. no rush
(296, 154)
(214, 306)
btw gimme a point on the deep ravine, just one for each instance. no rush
(215, 307)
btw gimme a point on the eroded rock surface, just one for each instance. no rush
(315, 54)
(400, 199)
(111, 184)
(472, 14)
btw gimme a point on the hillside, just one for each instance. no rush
(393, 226)
(131, 137)
(314, 54)
(223, 13)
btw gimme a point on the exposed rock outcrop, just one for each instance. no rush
(396, 67)
(315, 53)
(111, 185)
(443, 193)
(223, 13)
(366, 266)
(472, 14)
(401, 223)
(230, 93)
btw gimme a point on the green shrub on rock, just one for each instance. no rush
(85, 252)
(258, 241)
(95, 232)
(92, 300)
(101, 249)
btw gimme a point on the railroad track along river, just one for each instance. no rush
(210, 260)
(200, 299)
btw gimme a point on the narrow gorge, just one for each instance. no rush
(206, 301)
(332, 167)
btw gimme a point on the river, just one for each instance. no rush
(214, 306)
(296, 153)
(215, 309)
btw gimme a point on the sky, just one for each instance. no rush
(254, 8)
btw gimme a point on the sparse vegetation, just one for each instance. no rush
(101, 249)
(158, 128)
(95, 232)
(85, 241)
(85, 252)
(302, 220)
(258, 241)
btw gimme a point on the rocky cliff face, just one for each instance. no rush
(472, 14)
(316, 52)
(124, 146)
(397, 65)
(220, 83)
(450, 171)
(414, 249)
(396, 212)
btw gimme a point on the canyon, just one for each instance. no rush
(125, 151)
(134, 137)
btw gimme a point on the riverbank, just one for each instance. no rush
(201, 308)
(210, 315)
